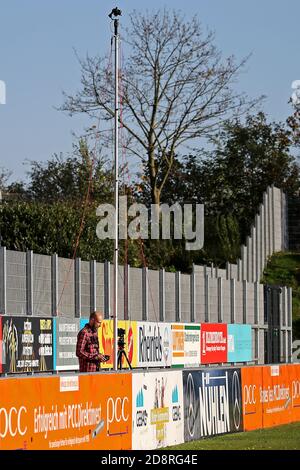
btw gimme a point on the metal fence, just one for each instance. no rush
(32, 284)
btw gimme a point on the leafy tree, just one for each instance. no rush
(175, 88)
(250, 157)
(222, 240)
(231, 179)
(69, 179)
(52, 228)
(17, 190)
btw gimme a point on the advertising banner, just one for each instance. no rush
(126, 342)
(185, 345)
(27, 344)
(252, 380)
(83, 322)
(213, 343)
(239, 343)
(65, 332)
(294, 374)
(276, 395)
(212, 403)
(271, 395)
(157, 409)
(71, 412)
(154, 344)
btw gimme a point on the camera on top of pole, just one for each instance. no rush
(114, 14)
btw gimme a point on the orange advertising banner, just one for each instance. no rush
(294, 373)
(271, 395)
(66, 412)
(252, 406)
(275, 396)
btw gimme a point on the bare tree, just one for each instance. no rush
(175, 88)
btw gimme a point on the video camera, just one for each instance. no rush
(121, 339)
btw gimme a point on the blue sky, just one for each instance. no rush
(37, 61)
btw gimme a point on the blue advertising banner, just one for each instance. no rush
(212, 402)
(239, 343)
(83, 322)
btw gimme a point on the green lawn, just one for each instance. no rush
(280, 438)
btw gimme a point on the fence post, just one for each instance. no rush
(272, 220)
(178, 296)
(29, 282)
(54, 285)
(162, 304)
(245, 302)
(244, 263)
(232, 300)
(207, 306)
(106, 289)
(249, 256)
(192, 292)
(258, 247)
(228, 270)
(220, 300)
(266, 222)
(145, 294)
(93, 283)
(3, 280)
(77, 288)
(289, 322)
(256, 304)
(126, 290)
(253, 255)
(262, 237)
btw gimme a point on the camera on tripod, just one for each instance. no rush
(121, 339)
(121, 352)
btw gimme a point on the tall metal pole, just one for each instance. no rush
(116, 155)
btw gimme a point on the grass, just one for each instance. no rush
(285, 437)
(283, 269)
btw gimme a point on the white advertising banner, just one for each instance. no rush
(157, 410)
(154, 344)
(185, 345)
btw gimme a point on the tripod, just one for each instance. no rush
(122, 352)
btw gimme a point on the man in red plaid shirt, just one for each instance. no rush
(87, 348)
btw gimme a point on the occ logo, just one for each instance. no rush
(191, 405)
(249, 395)
(236, 400)
(12, 422)
(296, 93)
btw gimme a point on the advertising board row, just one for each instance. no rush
(144, 410)
(31, 344)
